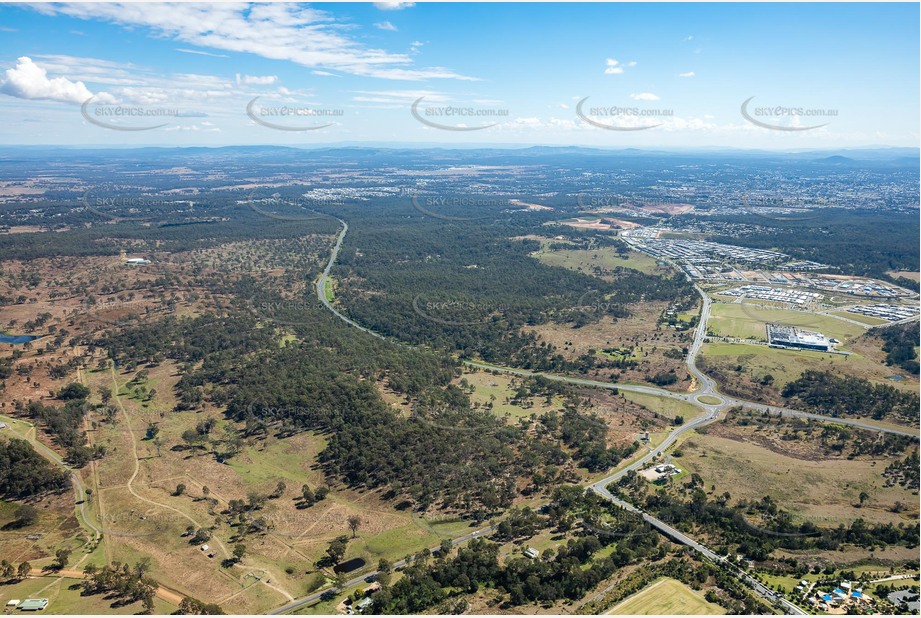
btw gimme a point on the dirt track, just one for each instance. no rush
(171, 596)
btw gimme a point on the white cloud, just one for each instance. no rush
(201, 53)
(27, 80)
(688, 74)
(385, 25)
(256, 80)
(689, 38)
(393, 5)
(324, 73)
(277, 31)
(644, 96)
(400, 97)
(614, 67)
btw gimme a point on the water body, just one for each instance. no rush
(349, 566)
(17, 339)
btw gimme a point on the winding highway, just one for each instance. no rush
(706, 388)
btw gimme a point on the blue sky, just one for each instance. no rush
(648, 75)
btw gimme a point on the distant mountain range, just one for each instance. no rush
(396, 154)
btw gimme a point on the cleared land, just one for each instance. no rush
(825, 489)
(589, 261)
(636, 338)
(740, 368)
(857, 317)
(747, 321)
(664, 597)
(908, 274)
(63, 598)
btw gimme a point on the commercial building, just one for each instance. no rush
(33, 605)
(780, 336)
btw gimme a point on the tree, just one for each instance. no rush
(148, 603)
(191, 438)
(280, 488)
(354, 524)
(205, 491)
(180, 489)
(105, 394)
(61, 557)
(73, 391)
(863, 497)
(239, 550)
(26, 515)
(152, 430)
(7, 570)
(23, 571)
(193, 606)
(337, 548)
(142, 567)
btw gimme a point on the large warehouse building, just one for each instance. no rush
(780, 336)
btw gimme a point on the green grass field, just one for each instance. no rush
(669, 408)
(63, 599)
(788, 365)
(747, 321)
(823, 490)
(607, 258)
(497, 389)
(865, 319)
(667, 596)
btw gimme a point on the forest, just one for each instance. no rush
(846, 239)
(900, 345)
(567, 572)
(691, 510)
(26, 474)
(445, 453)
(832, 395)
(471, 286)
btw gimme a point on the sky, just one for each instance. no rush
(768, 76)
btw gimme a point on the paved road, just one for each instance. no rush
(706, 387)
(79, 492)
(366, 576)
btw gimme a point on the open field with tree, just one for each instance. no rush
(666, 596)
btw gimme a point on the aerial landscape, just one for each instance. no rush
(332, 309)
